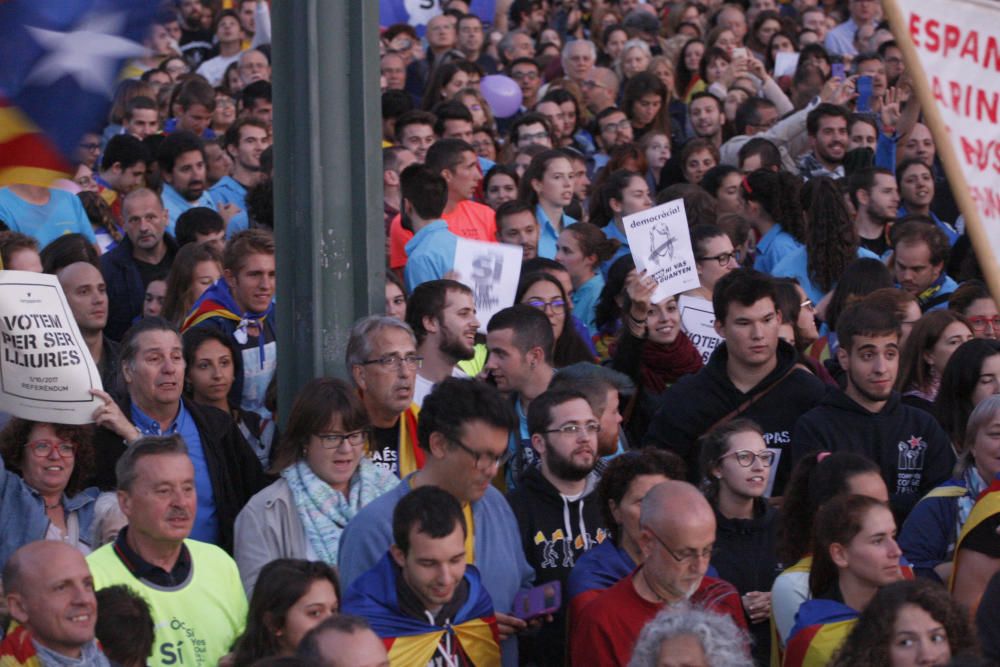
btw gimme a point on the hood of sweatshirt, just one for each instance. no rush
(839, 400)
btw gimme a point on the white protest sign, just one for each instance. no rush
(491, 270)
(698, 322)
(952, 54)
(785, 63)
(661, 244)
(46, 370)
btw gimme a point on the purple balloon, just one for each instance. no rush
(502, 93)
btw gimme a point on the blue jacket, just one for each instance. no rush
(499, 556)
(928, 536)
(795, 264)
(124, 283)
(772, 247)
(22, 513)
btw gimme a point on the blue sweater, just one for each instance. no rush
(498, 556)
(929, 534)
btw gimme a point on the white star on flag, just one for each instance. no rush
(89, 53)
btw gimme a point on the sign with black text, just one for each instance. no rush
(698, 322)
(661, 245)
(491, 270)
(46, 371)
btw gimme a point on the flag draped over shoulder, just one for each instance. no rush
(987, 506)
(820, 628)
(60, 63)
(412, 641)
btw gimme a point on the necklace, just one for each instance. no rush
(53, 506)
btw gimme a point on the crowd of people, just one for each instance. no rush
(573, 481)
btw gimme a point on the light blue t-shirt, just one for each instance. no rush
(176, 204)
(206, 521)
(548, 237)
(585, 298)
(430, 254)
(611, 231)
(773, 247)
(230, 191)
(795, 265)
(63, 214)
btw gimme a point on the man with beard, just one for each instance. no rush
(244, 141)
(181, 157)
(676, 548)
(919, 255)
(558, 518)
(193, 589)
(868, 417)
(382, 361)
(826, 126)
(442, 314)
(144, 255)
(707, 117)
(613, 129)
(876, 198)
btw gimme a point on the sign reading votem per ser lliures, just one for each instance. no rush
(491, 271)
(661, 245)
(698, 322)
(952, 53)
(46, 371)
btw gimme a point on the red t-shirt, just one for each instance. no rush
(609, 625)
(468, 219)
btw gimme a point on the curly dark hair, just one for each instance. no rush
(778, 194)
(618, 476)
(869, 641)
(14, 437)
(831, 243)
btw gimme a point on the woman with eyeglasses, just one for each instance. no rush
(973, 300)
(736, 466)
(42, 471)
(714, 257)
(854, 555)
(542, 291)
(325, 480)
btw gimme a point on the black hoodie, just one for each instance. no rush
(695, 403)
(907, 443)
(555, 531)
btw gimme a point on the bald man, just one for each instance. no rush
(600, 89)
(678, 534)
(50, 594)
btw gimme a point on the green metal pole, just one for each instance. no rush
(327, 182)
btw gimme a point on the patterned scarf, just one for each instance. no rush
(975, 485)
(324, 511)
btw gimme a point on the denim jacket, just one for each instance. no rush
(22, 513)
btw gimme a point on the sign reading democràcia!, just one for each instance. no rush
(491, 271)
(46, 370)
(698, 322)
(952, 50)
(661, 245)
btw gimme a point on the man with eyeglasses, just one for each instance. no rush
(464, 427)
(554, 505)
(600, 89)
(868, 417)
(676, 546)
(521, 343)
(531, 129)
(382, 361)
(528, 76)
(613, 129)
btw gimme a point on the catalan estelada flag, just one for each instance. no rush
(59, 62)
(472, 633)
(820, 628)
(986, 507)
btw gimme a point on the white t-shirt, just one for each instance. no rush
(423, 386)
(213, 68)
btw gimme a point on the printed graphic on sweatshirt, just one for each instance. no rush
(186, 648)
(551, 547)
(910, 464)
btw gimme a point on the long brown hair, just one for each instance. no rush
(837, 522)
